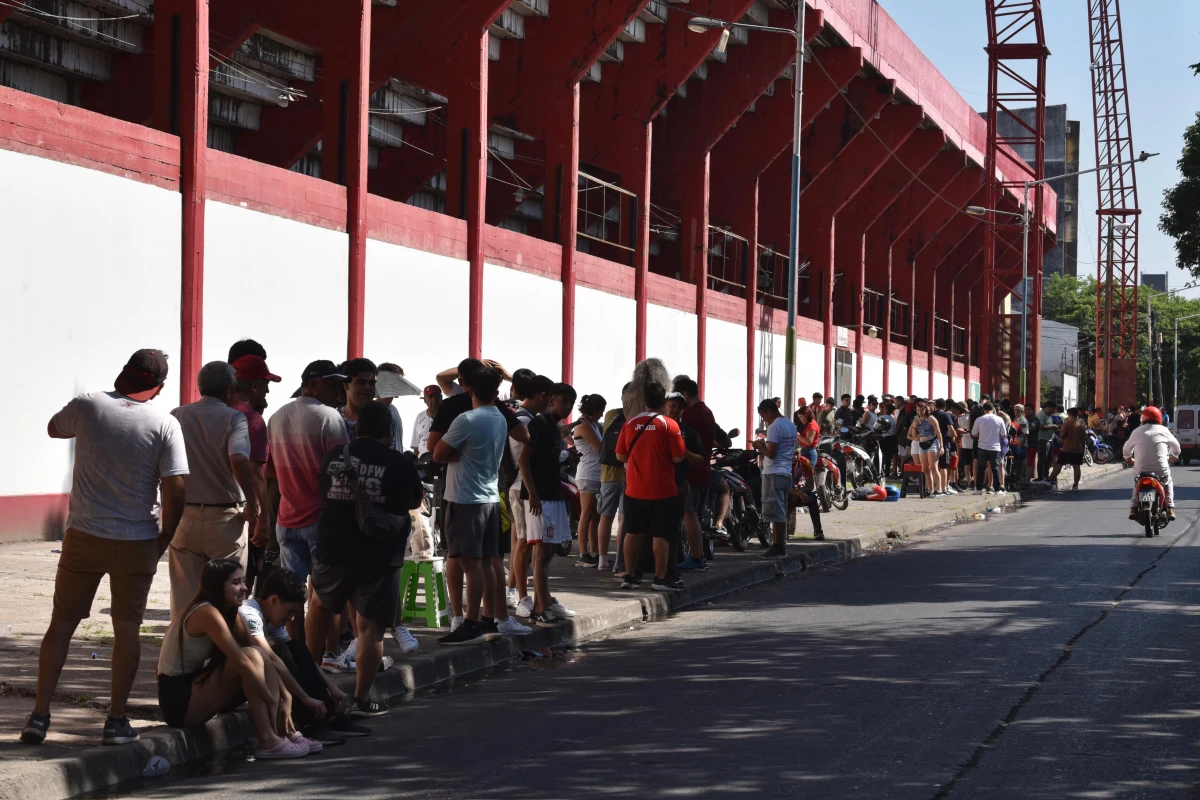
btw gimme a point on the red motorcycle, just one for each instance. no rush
(1152, 509)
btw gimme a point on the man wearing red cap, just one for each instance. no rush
(125, 448)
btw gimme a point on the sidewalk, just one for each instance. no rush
(71, 763)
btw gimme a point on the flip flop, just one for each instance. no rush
(285, 749)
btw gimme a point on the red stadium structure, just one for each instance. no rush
(564, 185)
(1118, 213)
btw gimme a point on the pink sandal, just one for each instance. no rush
(285, 749)
(313, 745)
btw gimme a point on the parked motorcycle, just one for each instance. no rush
(739, 469)
(864, 458)
(1151, 504)
(1097, 451)
(433, 481)
(828, 476)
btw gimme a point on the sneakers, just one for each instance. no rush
(323, 734)
(312, 744)
(366, 707)
(630, 582)
(351, 650)
(693, 564)
(490, 631)
(819, 535)
(660, 585)
(342, 725)
(385, 663)
(468, 632)
(335, 663)
(403, 637)
(36, 727)
(1000, 493)
(511, 598)
(119, 731)
(510, 627)
(587, 561)
(524, 608)
(559, 610)
(774, 551)
(285, 749)
(988, 491)
(454, 623)
(951, 490)
(545, 619)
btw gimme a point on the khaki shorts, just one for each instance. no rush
(516, 510)
(85, 559)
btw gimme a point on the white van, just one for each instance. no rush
(1186, 419)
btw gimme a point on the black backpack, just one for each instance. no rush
(608, 444)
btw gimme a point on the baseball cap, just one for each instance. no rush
(254, 368)
(432, 390)
(321, 369)
(675, 396)
(145, 370)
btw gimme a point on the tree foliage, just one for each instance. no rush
(1181, 204)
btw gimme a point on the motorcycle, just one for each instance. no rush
(433, 477)
(1097, 451)
(739, 469)
(828, 476)
(1151, 504)
(864, 456)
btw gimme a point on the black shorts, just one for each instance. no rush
(1070, 459)
(374, 590)
(657, 518)
(175, 692)
(472, 530)
(696, 497)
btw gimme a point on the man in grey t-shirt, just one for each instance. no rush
(220, 506)
(125, 449)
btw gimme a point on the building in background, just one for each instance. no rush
(1062, 158)
(1060, 363)
(1155, 280)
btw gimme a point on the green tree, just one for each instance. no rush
(1181, 204)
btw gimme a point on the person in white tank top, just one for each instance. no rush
(587, 436)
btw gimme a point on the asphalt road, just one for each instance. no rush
(1046, 653)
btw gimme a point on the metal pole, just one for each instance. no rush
(1024, 289)
(789, 353)
(1149, 351)
(1175, 365)
(1108, 320)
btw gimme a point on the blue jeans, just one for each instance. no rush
(811, 454)
(297, 549)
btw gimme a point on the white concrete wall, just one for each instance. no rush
(404, 324)
(90, 274)
(898, 378)
(671, 336)
(810, 368)
(958, 388)
(522, 321)
(872, 375)
(920, 381)
(605, 343)
(941, 386)
(769, 364)
(725, 392)
(280, 282)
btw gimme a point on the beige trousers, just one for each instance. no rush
(204, 533)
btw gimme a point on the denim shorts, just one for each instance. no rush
(775, 497)
(297, 549)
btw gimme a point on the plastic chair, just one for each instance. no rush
(914, 474)
(431, 572)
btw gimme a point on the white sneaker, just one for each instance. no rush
(510, 627)
(511, 598)
(560, 611)
(524, 608)
(403, 637)
(951, 490)
(352, 650)
(335, 663)
(385, 664)
(1000, 493)
(454, 623)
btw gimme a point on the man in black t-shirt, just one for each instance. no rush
(547, 522)
(350, 566)
(694, 444)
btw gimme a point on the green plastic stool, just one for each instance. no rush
(436, 608)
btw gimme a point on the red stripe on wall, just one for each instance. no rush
(417, 228)
(726, 307)
(522, 253)
(604, 275)
(664, 291)
(261, 187)
(40, 127)
(32, 517)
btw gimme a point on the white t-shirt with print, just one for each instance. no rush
(251, 614)
(783, 433)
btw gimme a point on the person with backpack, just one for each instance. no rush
(533, 391)
(610, 503)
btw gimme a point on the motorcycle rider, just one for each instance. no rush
(1150, 448)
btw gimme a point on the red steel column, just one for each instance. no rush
(641, 256)
(468, 122)
(181, 45)
(861, 284)
(695, 251)
(357, 91)
(887, 330)
(568, 156)
(931, 350)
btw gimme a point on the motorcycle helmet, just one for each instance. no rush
(893, 493)
(1150, 414)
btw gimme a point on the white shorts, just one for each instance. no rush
(552, 527)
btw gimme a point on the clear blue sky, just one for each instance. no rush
(1162, 37)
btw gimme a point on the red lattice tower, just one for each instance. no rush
(1017, 56)
(1117, 211)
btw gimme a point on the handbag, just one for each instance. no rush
(373, 521)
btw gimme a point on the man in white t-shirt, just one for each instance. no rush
(432, 395)
(777, 451)
(125, 450)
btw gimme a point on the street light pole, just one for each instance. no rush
(789, 350)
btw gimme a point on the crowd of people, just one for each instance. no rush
(285, 539)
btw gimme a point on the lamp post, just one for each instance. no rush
(701, 24)
(978, 211)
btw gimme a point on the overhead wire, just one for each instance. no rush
(69, 22)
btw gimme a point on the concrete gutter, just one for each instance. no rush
(100, 768)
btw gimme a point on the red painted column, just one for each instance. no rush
(822, 259)
(932, 328)
(912, 320)
(694, 250)
(887, 329)
(563, 151)
(357, 125)
(182, 108)
(749, 208)
(641, 257)
(859, 321)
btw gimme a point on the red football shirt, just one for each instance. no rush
(650, 468)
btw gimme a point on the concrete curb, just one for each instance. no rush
(100, 768)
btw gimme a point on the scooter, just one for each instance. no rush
(1152, 507)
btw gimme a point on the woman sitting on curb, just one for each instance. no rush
(208, 665)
